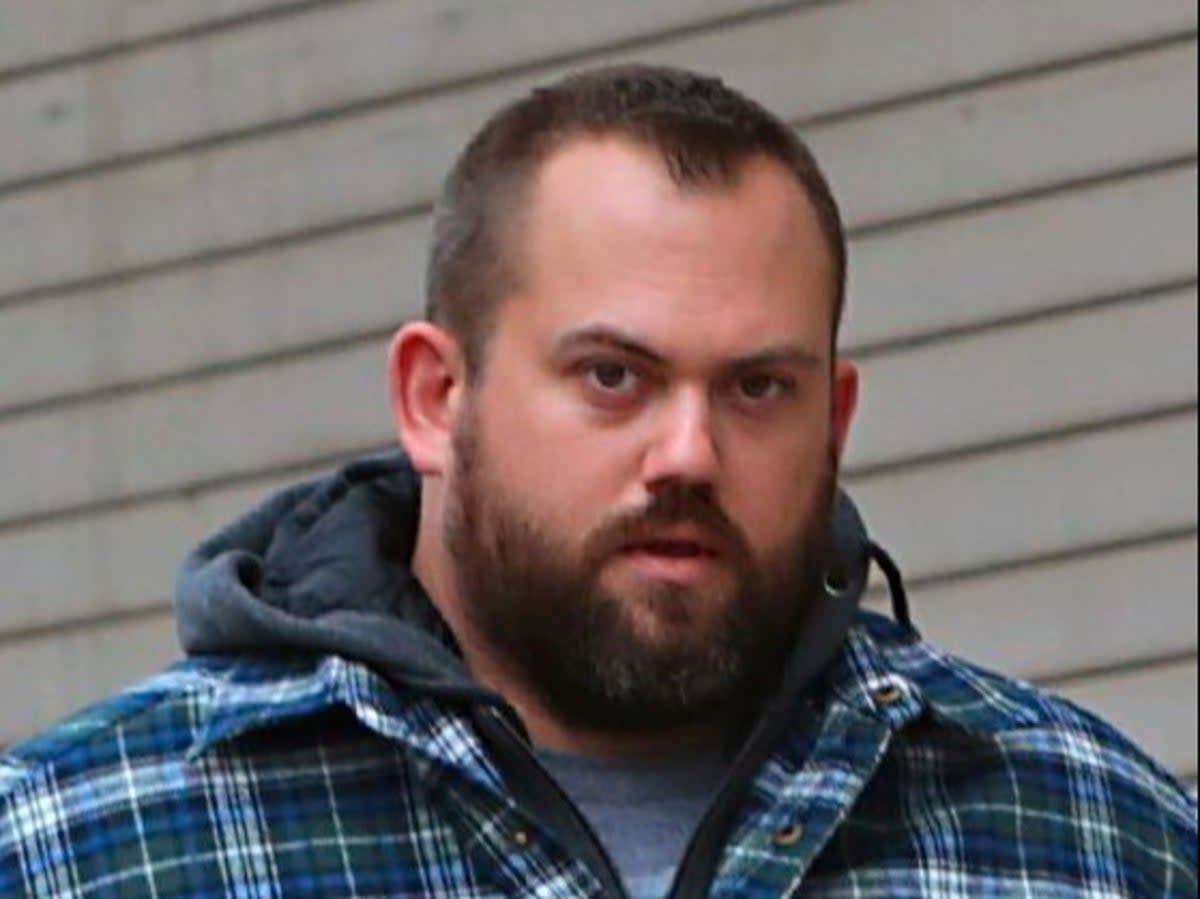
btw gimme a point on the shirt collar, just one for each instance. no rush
(889, 672)
(254, 694)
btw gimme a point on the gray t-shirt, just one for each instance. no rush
(644, 809)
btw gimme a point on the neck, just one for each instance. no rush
(701, 737)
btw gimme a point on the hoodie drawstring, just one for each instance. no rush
(895, 581)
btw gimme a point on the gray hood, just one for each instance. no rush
(323, 568)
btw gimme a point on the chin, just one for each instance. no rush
(662, 612)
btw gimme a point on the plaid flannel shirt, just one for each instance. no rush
(917, 775)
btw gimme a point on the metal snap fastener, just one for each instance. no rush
(521, 839)
(789, 836)
(888, 694)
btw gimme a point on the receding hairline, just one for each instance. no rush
(512, 232)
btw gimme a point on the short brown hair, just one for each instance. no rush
(703, 130)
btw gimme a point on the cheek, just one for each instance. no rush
(774, 487)
(561, 467)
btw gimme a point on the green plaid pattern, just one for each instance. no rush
(908, 773)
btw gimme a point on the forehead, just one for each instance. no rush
(611, 186)
(610, 238)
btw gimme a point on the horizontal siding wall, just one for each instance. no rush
(53, 33)
(204, 207)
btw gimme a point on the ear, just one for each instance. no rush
(426, 379)
(844, 401)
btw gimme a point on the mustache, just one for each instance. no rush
(673, 505)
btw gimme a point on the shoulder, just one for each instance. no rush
(1033, 756)
(960, 694)
(77, 766)
(163, 707)
(60, 782)
(139, 772)
(195, 703)
(248, 757)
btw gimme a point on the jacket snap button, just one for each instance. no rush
(890, 694)
(789, 836)
(521, 839)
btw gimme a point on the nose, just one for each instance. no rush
(683, 448)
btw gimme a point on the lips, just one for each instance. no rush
(678, 542)
(678, 560)
(671, 549)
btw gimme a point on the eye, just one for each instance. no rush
(611, 377)
(759, 387)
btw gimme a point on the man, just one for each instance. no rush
(594, 633)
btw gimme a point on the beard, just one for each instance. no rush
(536, 600)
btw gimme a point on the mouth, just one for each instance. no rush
(671, 549)
(679, 560)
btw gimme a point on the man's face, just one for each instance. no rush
(639, 503)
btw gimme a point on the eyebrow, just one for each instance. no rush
(614, 338)
(604, 335)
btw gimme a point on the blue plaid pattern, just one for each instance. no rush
(909, 773)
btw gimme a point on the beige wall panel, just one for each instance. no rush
(1059, 617)
(990, 264)
(1038, 500)
(388, 160)
(925, 401)
(286, 414)
(333, 57)
(1086, 366)
(291, 66)
(1013, 137)
(31, 32)
(286, 299)
(850, 55)
(1155, 706)
(117, 561)
(60, 673)
(1104, 240)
